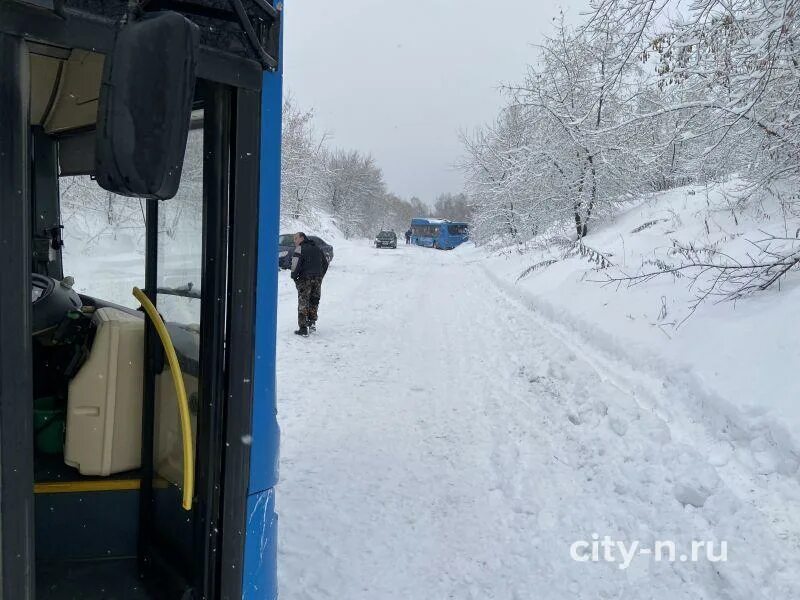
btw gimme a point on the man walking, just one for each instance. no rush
(309, 266)
(408, 236)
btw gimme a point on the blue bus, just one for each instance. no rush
(139, 449)
(438, 233)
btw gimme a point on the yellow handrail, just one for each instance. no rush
(180, 392)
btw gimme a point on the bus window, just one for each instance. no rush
(179, 280)
(180, 240)
(425, 230)
(103, 240)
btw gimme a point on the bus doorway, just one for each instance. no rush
(125, 421)
(114, 484)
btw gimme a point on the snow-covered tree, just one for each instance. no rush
(562, 147)
(304, 165)
(646, 95)
(454, 207)
(355, 191)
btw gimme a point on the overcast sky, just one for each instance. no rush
(400, 79)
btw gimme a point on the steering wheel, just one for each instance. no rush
(51, 300)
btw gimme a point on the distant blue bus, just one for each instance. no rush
(438, 233)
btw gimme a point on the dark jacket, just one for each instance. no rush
(308, 261)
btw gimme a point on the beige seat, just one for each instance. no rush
(168, 441)
(104, 404)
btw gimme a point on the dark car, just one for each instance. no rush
(286, 249)
(386, 239)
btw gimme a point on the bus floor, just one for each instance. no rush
(86, 540)
(105, 579)
(51, 469)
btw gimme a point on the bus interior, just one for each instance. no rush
(88, 364)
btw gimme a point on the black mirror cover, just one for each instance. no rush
(145, 106)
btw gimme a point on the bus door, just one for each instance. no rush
(116, 481)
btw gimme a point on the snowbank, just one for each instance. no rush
(323, 226)
(729, 364)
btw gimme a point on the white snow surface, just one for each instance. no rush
(448, 433)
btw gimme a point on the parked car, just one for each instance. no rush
(386, 239)
(286, 249)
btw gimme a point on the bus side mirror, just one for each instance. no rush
(145, 106)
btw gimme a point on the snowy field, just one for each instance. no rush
(450, 434)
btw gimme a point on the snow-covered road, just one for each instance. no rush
(440, 439)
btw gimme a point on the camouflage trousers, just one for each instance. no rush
(309, 291)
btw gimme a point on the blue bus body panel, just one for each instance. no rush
(261, 547)
(260, 560)
(264, 450)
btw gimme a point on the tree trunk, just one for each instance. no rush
(592, 198)
(296, 213)
(580, 225)
(511, 228)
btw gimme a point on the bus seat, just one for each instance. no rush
(104, 401)
(168, 441)
(186, 339)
